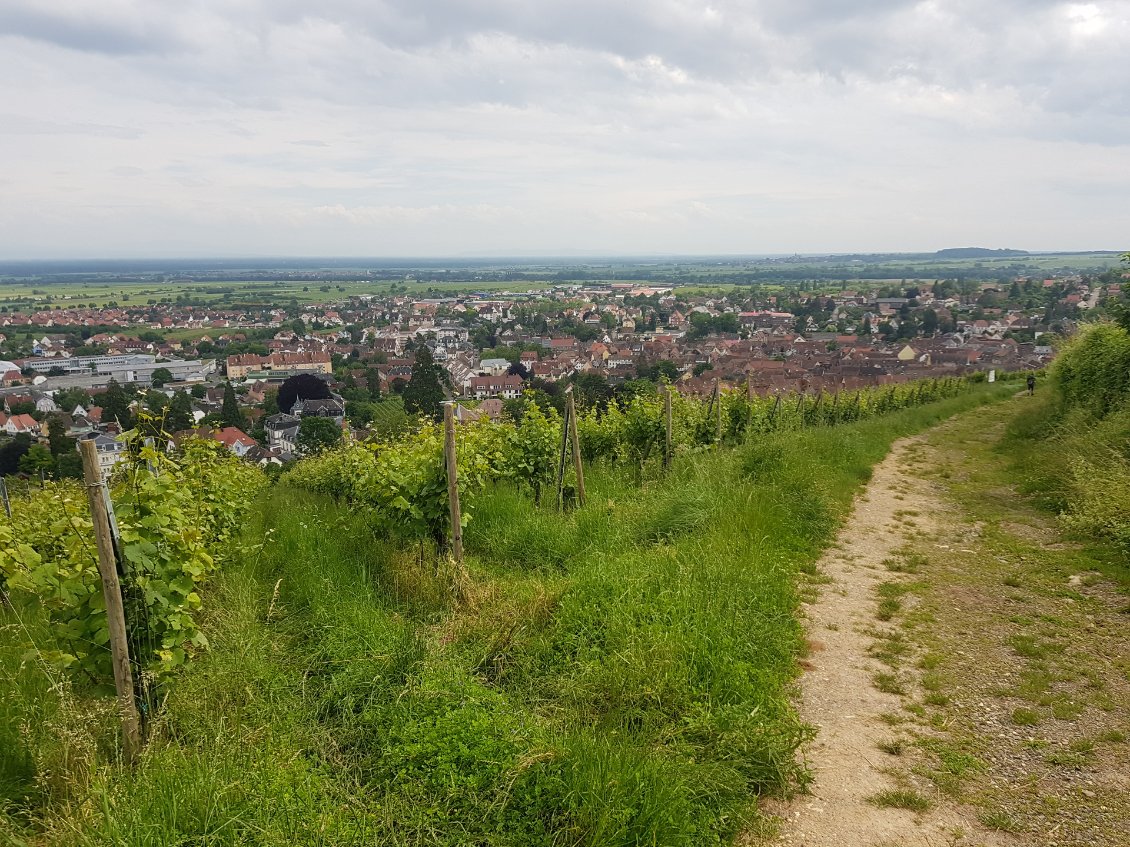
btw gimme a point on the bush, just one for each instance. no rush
(1093, 370)
(1072, 444)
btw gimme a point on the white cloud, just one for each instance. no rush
(370, 126)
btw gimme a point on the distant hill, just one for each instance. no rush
(977, 253)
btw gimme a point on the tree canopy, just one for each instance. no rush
(424, 394)
(316, 434)
(57, 435)
(115, 405)
(179, 416)
(301, 387)
(229, 412)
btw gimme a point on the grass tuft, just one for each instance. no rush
(1023, 716)
(893, 747)
(1000, 821)
(901, 799)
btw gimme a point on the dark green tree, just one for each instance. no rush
(667, 368)
(27, 407)
(424, 394)
(156, 402)
(12, 451)
(115, 405)
(68, 466)
(359, 413)
(57, 436)
(301, 387)
(634, 388)
(161, 376)
(592, 390)
(316, 434)
(229, 412)
(373, 381)
(929, 322)
(271, 402)
(179, 415)
(37, 458)
(68, 398)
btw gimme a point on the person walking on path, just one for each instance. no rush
(1031, 384)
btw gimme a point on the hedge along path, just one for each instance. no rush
(838, 693)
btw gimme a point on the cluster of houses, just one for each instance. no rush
(775, 343)
(86, 421)
(767, 361)
(82, 422)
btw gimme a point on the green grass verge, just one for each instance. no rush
(616, 675)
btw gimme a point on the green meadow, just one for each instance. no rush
(615, 674)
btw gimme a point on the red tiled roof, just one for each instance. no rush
(231, 435)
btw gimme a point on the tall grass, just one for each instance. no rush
(618, 674)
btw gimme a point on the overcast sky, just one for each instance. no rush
(488, 127)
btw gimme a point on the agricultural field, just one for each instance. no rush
(26, 288)
(21, 295)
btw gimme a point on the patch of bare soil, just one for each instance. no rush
(970, 681)
(855, 781)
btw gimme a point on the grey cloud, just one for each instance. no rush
(607, 121)
(86, 31)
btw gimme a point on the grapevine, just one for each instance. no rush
(177, 520)
(404, 484)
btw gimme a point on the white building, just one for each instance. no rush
(110, 452)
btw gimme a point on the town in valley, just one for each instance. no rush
(82, 354)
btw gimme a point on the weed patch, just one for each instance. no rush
(901, 799)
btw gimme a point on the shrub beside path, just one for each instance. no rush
(968, 668)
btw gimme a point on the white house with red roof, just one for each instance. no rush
(235, 439)
(15, 424)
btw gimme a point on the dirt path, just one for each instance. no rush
(841, 693)
(919, 743)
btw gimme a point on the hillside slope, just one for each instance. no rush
(616, 674)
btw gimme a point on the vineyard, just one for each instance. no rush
(177, 522)
(311, 668)
(405, 483)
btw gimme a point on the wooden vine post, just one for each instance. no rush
(667, 423)
(4, 497)
(452, 482)
(578, 467)
(749, 387)
(561, 462)
(718, 415)
(115, 611)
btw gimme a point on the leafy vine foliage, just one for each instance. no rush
(405, 485)
(178, 519)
